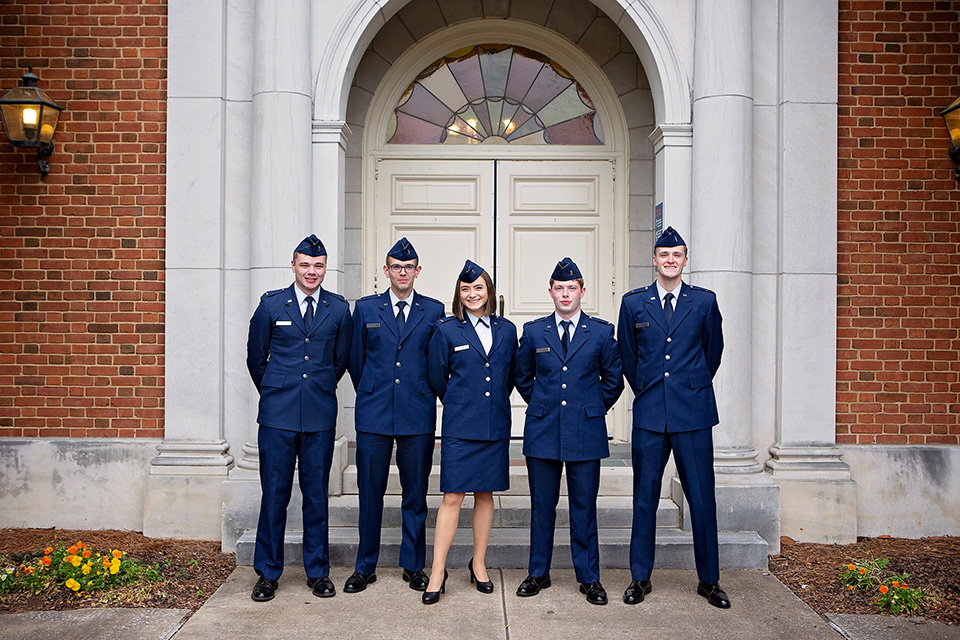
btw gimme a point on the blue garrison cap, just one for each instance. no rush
(471, 271)
(670, 238)
(311, 246)
(403, 250)
(566, 270)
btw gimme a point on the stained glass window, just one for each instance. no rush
(495, 93)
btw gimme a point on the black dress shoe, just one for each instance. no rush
(482, 587)
(322, 587)
(433, 597)
(714, 594)
(358, 582)
(532, 585)
(418, 579)
(264, 590)
(595, 592)
(636, 590)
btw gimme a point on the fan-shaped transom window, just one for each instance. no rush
(495, 93)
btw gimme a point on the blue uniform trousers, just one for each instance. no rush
(693, 455)
(280, 453)
(414, 461)
(583, 484)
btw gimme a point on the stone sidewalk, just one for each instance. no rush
(762, 608)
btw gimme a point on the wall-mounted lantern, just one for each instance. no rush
(951, 117)
(30, 118)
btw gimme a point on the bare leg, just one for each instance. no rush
(482, 521)
(447, 517)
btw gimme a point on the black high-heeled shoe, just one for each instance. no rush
(482, 587)
(433, 597)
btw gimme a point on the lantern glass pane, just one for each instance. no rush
(48, 124)
(13, 121)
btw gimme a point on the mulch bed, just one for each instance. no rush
(812, 571)
(191, 570)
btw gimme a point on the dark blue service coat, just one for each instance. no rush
(296, 370)
(568, 396)
(474, 386)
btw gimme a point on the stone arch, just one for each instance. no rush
(637, 21)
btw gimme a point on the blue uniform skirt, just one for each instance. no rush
(467, 466)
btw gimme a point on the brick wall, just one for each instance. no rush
(899, 224)
(82, 250)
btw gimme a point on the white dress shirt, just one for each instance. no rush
(484, 332)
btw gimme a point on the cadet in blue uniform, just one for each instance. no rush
(388, 366)
(297, 351)
(471, 370)
(670, 341)
(568, 371)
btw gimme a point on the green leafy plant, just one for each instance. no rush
(896, 596)
(864, 575)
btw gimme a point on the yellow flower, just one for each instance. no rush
(86, 569)
(73, 584)
(114, 568)
(76, 560)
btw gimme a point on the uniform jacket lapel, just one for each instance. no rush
(293, 309)
(496, 332)
(322, 311)
(414, 317)
(654, 309)
(552, 335)
(387, 316)
(684, 303)
(579, 336)
(470, 335)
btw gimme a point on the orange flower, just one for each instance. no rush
(28, 570)
(80, 545)
(72, 550)
(68, 559)
(862, 571)
(883, 588)
(850, 587)
(117, 553)
(48, 550)
(851, 567)
(903, 585)
(86, 553)
(895, 584)
(46, 561)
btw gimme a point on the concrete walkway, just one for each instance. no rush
(762, 608)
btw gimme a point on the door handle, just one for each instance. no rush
(501, 306)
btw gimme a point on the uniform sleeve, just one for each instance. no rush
(358, 346)
(258, 344)
(513, 361)
(525, 368)
(438, 363)
(713, 337)
(627, 343)
(341, 353)
(611, 371)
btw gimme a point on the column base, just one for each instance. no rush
(818, 493)
(182, 496)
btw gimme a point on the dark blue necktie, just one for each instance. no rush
(308, 316)
(401, 320)
(565, 339)
(668, 307)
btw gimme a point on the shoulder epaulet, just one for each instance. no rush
(536, 320)
(599, 320)
(336, 295)
(696, 288)
(635, 291)
(372, 296)
(429, 299)
(446, 319)
(507, 320)
(270, 294)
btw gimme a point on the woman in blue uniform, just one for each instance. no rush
(469, 368)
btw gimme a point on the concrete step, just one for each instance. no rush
(509, 548)
(509, 511)
(616, 479)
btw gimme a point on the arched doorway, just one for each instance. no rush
(514, 177)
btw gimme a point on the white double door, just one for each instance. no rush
(514, 218)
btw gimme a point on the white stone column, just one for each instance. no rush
(720, 238)
(673, 158)
(329, 219)
(280, 200)
(806, 462)
(182, 496)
